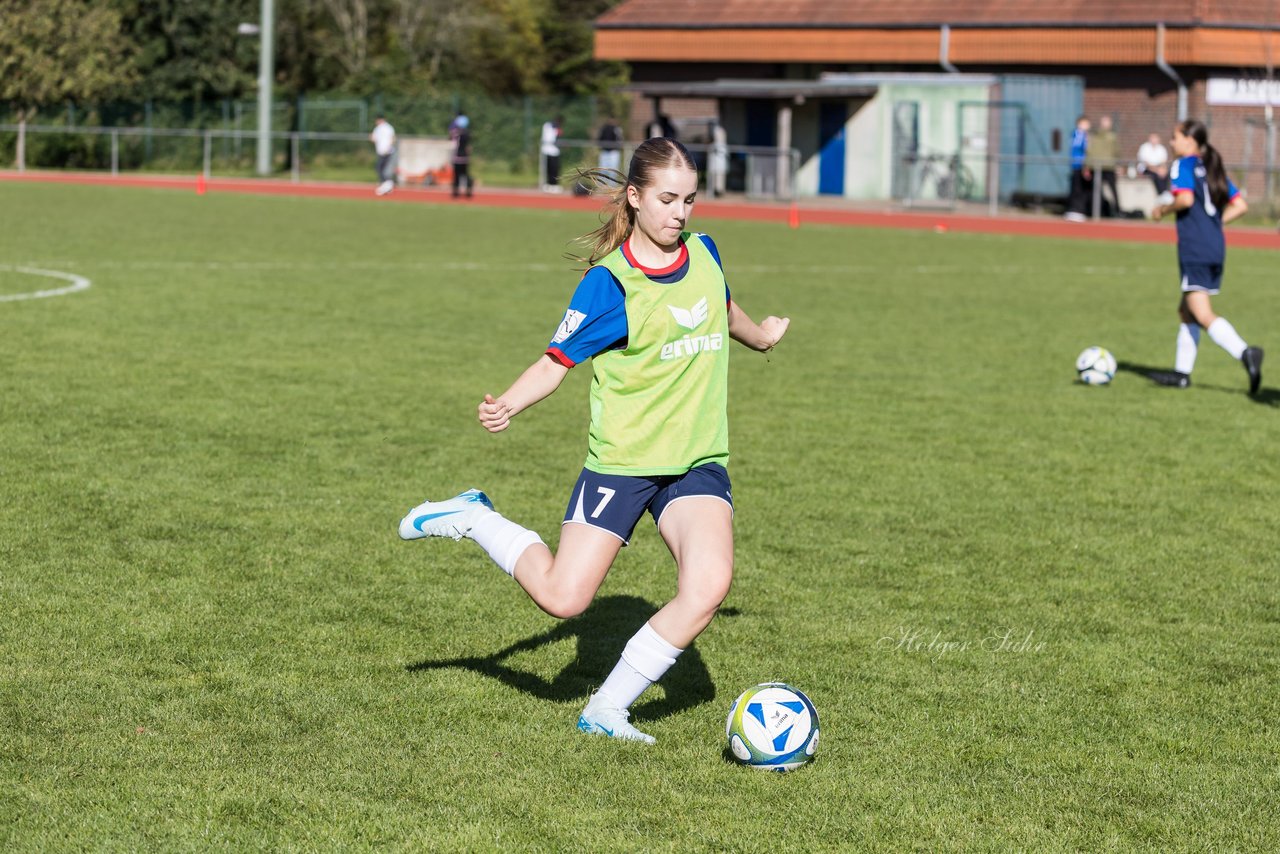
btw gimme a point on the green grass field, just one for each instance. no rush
(211, 637)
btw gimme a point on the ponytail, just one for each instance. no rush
(1215, 170)
(617, 218)
(1216, 176)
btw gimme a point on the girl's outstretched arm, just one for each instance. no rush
(762, 336)
(538, 381)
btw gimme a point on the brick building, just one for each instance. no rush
(1146, 64)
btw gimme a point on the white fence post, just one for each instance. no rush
(22, 145)
(115, 152)
(295, 150)
(208, 155)
(993, 184)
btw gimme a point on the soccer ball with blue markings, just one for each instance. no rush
(772, 727)
(1096, 366)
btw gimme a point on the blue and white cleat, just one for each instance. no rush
(452, 518)
(600, 719)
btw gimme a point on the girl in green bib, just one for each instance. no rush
(654, 316)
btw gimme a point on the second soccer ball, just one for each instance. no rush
(1096, 366)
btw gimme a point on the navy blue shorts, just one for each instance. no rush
(615, 502)
(1201, 277)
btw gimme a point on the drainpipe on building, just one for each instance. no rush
(944, 50)
(1170, 73)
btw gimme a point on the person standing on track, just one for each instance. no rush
(383, 138)
(550, 150)
(461, 159)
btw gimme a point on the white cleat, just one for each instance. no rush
(599, 719)
(452, 518)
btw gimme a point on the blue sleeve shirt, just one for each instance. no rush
(596, 319)
(1200, 239)
(1079, 146)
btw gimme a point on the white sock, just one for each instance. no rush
(1188, 343)
(1226, 337)
(504, 540)
(646, 657)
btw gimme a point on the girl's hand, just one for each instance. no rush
(495, 415)
(774, 328)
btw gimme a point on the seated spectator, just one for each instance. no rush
(1153, 161)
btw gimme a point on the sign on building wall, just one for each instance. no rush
(1242, 92)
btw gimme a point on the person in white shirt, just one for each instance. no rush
(551, 155)
(384, 145)
(1153, 160)
(718, 164)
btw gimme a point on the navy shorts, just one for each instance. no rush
(1201, 277)
(615, 502)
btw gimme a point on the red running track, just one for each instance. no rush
(1042, 226)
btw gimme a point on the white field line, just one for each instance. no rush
(78, 283)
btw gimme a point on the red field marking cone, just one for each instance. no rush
(793, 216)
(200, 185)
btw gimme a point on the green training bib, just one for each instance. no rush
(659, 406)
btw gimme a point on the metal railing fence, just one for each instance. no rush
(982, 179)
(508, 126)
(755, 171)
(925, 179)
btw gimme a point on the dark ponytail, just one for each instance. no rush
(1216, 172)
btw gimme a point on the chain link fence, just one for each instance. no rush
(327, 139)
(757, 172)
(505, 131)
(984, 180)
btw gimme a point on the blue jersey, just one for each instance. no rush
(597, 317)
(1079, 146)
(1200, 238)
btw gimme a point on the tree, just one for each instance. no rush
(541, 47)
(506, 55)
(430, 40)
(350, 19)
(189, 50)
(568, 37)
(57, 50)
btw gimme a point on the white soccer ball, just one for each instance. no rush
(772, 727)
(1096, 366)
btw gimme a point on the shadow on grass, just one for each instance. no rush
(1265, 396)
(1148, 371)
(601, 632)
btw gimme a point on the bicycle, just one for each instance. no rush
(951, 179)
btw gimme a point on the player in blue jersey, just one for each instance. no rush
(653, 315)
(1204, 200)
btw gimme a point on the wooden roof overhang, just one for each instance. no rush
(1131, 45)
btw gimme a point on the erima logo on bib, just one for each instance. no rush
(691, 318)
(691, 345)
